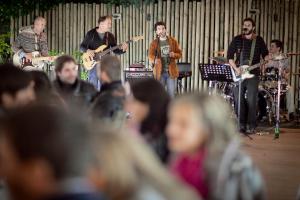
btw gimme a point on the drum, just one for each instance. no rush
(271, 74)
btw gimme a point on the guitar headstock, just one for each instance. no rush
(137, 38)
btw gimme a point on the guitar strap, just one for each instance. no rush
(252, 51)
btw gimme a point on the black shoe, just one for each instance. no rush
(242, 129)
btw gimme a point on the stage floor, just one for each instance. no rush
(278, 161)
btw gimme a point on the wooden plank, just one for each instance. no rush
(226, 30)
(68, 27)
(185, 28)
(60, 26)
(196, 73)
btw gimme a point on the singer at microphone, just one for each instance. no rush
(163, 53)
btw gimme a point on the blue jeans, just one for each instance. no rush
(93, 79)
(168, 82)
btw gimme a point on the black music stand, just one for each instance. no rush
(216, 72)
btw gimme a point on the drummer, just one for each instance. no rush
(276, 48)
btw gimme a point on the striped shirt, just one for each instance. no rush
(28, 41)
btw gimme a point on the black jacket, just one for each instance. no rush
(92, 41)
(109, 101)
(80, 93)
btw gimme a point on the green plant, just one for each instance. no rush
(5, 48)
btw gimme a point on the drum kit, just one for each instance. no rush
(271, 88)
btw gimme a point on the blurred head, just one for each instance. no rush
(42, 83)
(160, 29)
(104, 23)
(276, 47)
(199, 121)
(148, 105)
(248, 26)
(130, 168)
(41, 146)
(110, 69)
(39, 24)
(16, 87)
(66, 69)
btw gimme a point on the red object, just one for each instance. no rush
(190, 169)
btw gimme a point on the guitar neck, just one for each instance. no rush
(112, 49)
(254, 66)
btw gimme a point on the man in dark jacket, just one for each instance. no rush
(110, 100)
(97, 37)
(69, 86)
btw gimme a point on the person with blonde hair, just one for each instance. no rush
(126, 169)
(206, 149)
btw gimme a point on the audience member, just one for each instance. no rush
(203, 138)
(147, 107)
(69, 86)
(126, 169)
(45, 154)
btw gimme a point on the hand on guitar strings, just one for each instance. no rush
(91, 53)
(28, 57)
(124, 46)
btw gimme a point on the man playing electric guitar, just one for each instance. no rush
(95, 38)
(249, 49)
(31, 39)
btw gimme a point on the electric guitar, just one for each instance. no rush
(36, 63)
(89, 62)
(245, 72)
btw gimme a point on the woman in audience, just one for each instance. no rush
(126, 169)
(203, 139)
(147, 108)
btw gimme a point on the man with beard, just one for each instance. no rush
(249, 49)
(163, 53)
(69, 86)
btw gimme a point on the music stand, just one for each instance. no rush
(216, 72)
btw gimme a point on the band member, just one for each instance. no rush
(163, 53)
(96, 37)
(276, 48)
(30, 39)
(249, 49)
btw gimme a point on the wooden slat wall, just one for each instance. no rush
(201, 27)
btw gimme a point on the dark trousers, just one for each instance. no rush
(249, 92)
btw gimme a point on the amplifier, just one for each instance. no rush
(132, 76)
(185, 70)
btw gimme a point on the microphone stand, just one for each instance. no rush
(155, 56)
